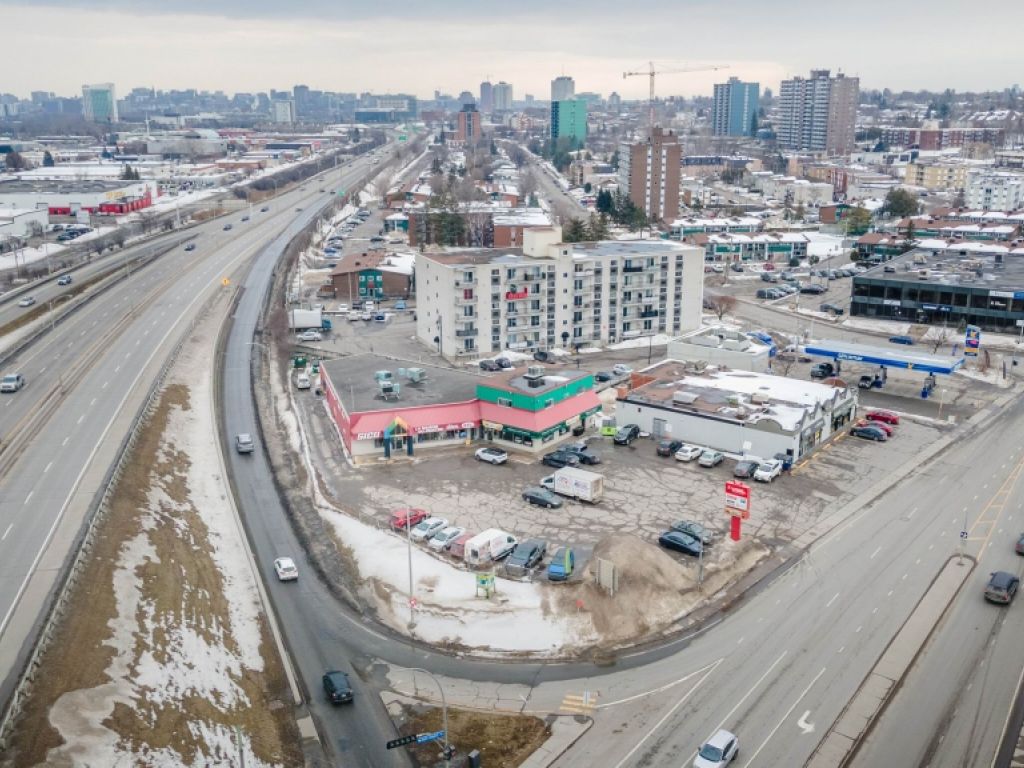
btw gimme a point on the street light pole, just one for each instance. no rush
(444, 705)
(412, 599)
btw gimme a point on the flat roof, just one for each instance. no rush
(985, 266)
(352, 378)
(515, 379)
(889, 356)
(55, 186)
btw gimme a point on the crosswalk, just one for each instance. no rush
(579, 704)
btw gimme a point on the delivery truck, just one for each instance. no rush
(303, 319)
(486, 547)
(579, 484)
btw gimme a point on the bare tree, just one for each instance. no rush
(722, 304)
(527, 184)
(939, 337)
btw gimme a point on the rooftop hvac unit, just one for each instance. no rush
(535, 371)
(382, 376)
(416, 375)
(681, 397)
(760, 398)
(734, 399)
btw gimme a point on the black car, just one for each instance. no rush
(489, 365)
(813, 288)
(603, 376)
(541, 497)
(745, 468)
(869, 433)
(541, 356)
(581, 452)
(264, 209)
(831, 308)
(669, 447)
(337, 687)
(822, 371)
(526, 555)
(503, 362)
(736, 267)
(559, 459)
(865, 382)
(694, 529)
(626, 434)
(1001, 587)
(680, 542)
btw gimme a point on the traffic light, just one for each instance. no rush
(401, 742)
(448, 753)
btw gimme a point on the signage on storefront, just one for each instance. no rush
(491, 425)
(367, 435)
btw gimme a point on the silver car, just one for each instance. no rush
(710, 458)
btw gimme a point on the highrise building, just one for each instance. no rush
(615, 101)
(486, 97)
(649, 173)
(503, 97)
(284, 111)
(569, 119)
(818, 114)
(99, 103)
(300, 93)
(563, 88)
(735, 108)
(466, 98)
(468, 126)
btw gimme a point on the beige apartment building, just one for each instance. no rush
(649, 172)
(937, 176)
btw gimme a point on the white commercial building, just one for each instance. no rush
(736, 412)
(554, 294)
(1000, 191)
(22, 222)
(722, 347)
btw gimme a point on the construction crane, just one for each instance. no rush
(652, 72)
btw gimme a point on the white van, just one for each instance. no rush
(492, 544)
(302, 381)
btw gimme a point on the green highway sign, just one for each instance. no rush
(402, 137)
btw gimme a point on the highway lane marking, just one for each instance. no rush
(92, 403)
(841, 649)
(80, 418)
(858, 629)
(903, 577)
(660, 689)
(47, 468)
(889, 593)
(784, 718)
(872, 556)
(27, 498)
(740, 641)
(42, 370)
(65, 441)
(104, 385)
(668, 714)
(912, 513)
(9, 527)
(829, 603)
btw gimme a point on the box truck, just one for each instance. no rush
(302, 319)
(492, 544)
(579, 484)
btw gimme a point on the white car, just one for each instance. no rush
(28, 301)
(621, 370)
(310, 336)
(286, 570)
(718, 751)
(491, 455)
(688, 452)
(425, 529)
(443, 538)
(768, 470)
(12, 382)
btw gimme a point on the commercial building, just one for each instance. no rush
(735, 108)
(736, 412)
(552, 294)
(950, 283)
(373, 275)
(22, 223)
(819, 113)
(693, 226)
(486, 97)
(775, 247)
(569, 120)
(994, 191)
(563, 88)
(384, 407)
(503, 97)
(468, 130)
(68, 197)
(99, 103)
(649, 174)
(723, 347)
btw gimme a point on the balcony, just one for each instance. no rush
(649, 313)
(632, 269)
(464, 283)
(463, 301)
(466, 333)
(463, 319)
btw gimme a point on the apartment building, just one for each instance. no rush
(937, 176)
(554, 294)
(994, 191)
(649, 172)
(931, 139)
(569, 120)
(502, 96)
(563, 88)
(819, 113)
(467, 129)
(735, 108)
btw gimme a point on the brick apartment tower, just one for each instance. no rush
(468, 130)
(649, 170)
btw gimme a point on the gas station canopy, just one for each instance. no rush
(887, 356)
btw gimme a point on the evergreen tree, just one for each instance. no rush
(48, 159)
(533, 201)
(604, 203)
(597, 227)
(574, 232)
(901, 203)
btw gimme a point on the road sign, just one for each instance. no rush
(737, 498)
(402, 137)
(402, 741)
(412, 602)
(423, 738)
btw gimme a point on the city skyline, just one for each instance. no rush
(255, 46)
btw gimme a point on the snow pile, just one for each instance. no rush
(659, 339)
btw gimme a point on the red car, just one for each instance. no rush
(877, 425)
(407, 518)
(887, 416)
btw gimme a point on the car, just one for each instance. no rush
(402, 519)
(717, 268)
(766, 294)
(542, 497)
(602, 376)
(559, 459)
(745, 468)
(443, 539)
(694, 529)
(787, 275)
(626, 434)
(489, 365)
(562, 564)
(718, 751)
(28, 301)
(768, 470)
(310, 336)
(831, 308)
(887, 428)
(190, 247)
(668, 447)
(541, 356)
(245, 218)
(298, 209)
(1019, 547)
(584, 454)
(736, 267)
(769, 277)
(12, 382)
(880, 415)
(710, 458)
(813, 288)
(337, 687)
(822, 370)
(1002, 587)
(621, 370)
(680, 542)
(688, 452)
(869, 433)
(866, 382)
(491, 455)
(65, 280)
(526, 555)
(905, 340)
(227, 227)
(244, 443)
(286, 570)
(503, 362)
(264, 209)
(425, 529)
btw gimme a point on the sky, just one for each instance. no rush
(452, 45)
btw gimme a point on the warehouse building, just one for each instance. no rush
(64, 198)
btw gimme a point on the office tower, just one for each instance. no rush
(99, 103)
(486, 97)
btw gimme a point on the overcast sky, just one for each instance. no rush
(339, 45)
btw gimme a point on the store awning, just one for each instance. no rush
(537, 422)
(438, 418)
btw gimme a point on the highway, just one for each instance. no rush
(111, 350)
